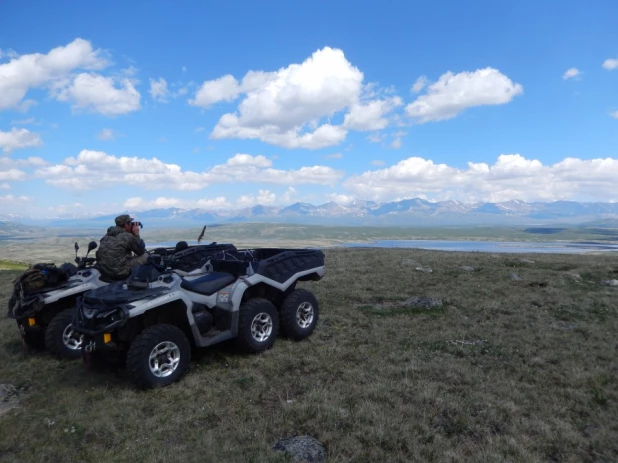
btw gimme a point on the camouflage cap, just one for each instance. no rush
(121, 220)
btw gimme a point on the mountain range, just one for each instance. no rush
(407, 212)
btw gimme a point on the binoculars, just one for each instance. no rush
(138, 223)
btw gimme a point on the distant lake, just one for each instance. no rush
(466, 246)
(488, 246)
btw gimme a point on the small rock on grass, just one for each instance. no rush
(302, 448)
(424, 269)
(564, 326)
(609, 282)
(526, 261)
(418, 301)
(574, 276)
(9, 398)
(467, 268)
(515, 277)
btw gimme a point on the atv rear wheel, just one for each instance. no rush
(159, 356)
(60, 337)
(299, 314)
(258, 325)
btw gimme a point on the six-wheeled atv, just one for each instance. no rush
(44, 296)
(157, 316)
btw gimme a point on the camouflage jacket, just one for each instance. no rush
(116, 251)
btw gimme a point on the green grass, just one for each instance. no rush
(10, 265)
(517, 371)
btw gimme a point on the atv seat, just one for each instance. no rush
(104, 277)
(208, 284)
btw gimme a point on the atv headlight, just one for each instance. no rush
(89, 313)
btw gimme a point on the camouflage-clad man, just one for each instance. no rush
(115, 254)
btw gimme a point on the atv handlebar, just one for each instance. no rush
(83, 261)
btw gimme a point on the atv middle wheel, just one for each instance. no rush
(60, 337)
(299, 314)
(258, 325)
(159, 356)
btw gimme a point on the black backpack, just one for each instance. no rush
(40, 276)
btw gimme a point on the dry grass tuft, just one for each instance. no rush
(502, 370)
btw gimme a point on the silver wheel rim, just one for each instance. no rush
(304, 314)
(71, 339)
(261, 327)
(164, 359)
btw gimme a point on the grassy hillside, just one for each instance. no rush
(504, 370)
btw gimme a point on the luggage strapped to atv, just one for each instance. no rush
(35, 279)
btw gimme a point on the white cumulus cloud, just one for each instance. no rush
(218, 202)
(8, 53)
(419, 84)
(454, 93)
(370, 116)
(289, 195)
(158, 89)
(11, 199)
(511, 176)
(610, 64)
(340, 198)
(36, 70)
(7, 163)
(571, 73)
(224, 88)
(97, 169)
(292, 107)
(12, 175)
(100, 94)
(264, 197)
(19, 138)
(106, 135)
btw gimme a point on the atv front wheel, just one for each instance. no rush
(159, 356)
(32, 339)
(258, 325)
(60, 337)
(299, 314)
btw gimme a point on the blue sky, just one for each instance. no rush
(158, 104)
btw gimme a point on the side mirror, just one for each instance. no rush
(92, 245)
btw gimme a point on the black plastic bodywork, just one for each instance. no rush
(111, 300)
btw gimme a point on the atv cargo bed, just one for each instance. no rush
(278, 264)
